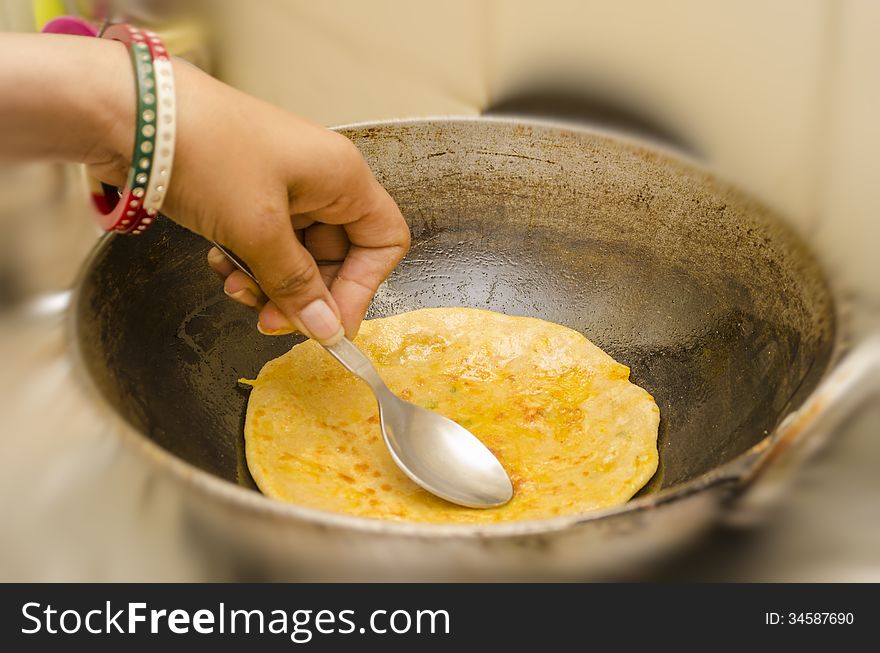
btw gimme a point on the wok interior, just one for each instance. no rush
(719, 311)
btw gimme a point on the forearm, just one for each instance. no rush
(65, 98)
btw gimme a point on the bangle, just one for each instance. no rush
(166, 119)
(132, 209)
(126, 208)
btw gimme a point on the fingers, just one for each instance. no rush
(378, 241)
(328, 245)
(288, 275)
(236, 284)
(329, 271)
(220, 263)
(244, 290)
(326, 242)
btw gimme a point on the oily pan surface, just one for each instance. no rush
(573, 433)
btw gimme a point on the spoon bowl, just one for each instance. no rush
(435, 452)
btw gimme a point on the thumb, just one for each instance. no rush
(288, 275)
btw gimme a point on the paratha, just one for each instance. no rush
(560, 414)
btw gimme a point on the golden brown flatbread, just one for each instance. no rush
(561, 415)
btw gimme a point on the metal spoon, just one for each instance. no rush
(438, 454)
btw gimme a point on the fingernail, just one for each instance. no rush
(276, 332)
(321, 322)
(243, 296)
(273, 322)
(215, 256)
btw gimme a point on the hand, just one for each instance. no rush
(296, 201)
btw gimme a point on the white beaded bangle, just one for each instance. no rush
(166, 122)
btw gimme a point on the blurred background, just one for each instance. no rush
(780, 97)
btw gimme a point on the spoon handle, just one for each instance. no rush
(354, 360)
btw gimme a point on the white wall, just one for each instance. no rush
(780, 96)
(849, 231)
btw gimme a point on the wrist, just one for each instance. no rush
(109, 118)
(113, 120)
